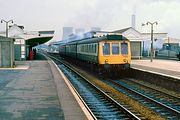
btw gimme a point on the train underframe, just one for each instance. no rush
(104, 70)
(114, 70)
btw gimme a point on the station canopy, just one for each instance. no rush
(37, 41)
(43, 37)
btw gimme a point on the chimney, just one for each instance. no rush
(133, 25)
(66, 32)
(79, 31)
(95, 29)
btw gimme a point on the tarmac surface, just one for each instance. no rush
(34, 90)
(169, 68)
(29, 94)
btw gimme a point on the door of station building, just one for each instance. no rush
(5, 54)
(135, 49)
(17, 51)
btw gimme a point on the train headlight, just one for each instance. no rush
(106, 61)
(125, 60)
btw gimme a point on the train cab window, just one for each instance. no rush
(124, 48)
(115, 48)
(106, 49)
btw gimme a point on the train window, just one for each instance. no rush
(115, 48)
(106, 48)
(124, 48)
(89, 49)
(92, 48)
(85, 48)
(82, 48)
(95, 48)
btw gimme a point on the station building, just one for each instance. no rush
(141, 42)
(25, 40)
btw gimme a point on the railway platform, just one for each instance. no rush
(35, 90)
(170, 68)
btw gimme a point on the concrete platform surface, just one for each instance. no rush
(31, 94)
(166, 67)
(19, 65)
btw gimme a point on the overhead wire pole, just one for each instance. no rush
(151, 37)
(6, 25)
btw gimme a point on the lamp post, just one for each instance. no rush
(6, 25)
(151, 37)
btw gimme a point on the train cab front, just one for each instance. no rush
(115, 54)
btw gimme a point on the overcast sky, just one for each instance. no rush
(107, 14)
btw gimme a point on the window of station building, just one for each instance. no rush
(115, 48)
(17, 41)
(23, 52)
(124, 48)
(106, 49)
(22, 41)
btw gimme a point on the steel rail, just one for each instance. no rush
(169, 109)
(148, 87)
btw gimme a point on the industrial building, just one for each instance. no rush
(170, 48)
(172, 44)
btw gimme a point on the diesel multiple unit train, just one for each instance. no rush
(110, 52)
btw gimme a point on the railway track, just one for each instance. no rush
(161, 96)
(168, 109)
(98, 102)
(158, 104)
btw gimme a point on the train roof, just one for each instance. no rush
(98, 39)
(58, 43)
(107, 37)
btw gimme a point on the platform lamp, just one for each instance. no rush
(6, 25)
(151, 23)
